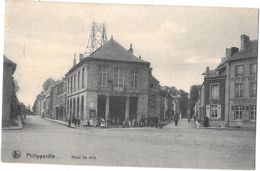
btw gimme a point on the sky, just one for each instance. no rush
(179, 42)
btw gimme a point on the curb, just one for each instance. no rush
(225, 128)
(56, 122)
(13, 128)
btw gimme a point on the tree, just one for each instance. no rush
(194, 95)
(50, 82)
(171, 90)
(184, 102)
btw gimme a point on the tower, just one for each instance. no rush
(97, 37)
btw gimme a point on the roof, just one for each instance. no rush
(9, 62)
(112, 50)
(251, 51)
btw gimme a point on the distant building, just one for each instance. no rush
(228, 93)
(58, 101)
(37, 105)
(111, 82)
(8, 92)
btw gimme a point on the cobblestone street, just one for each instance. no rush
(183, 146)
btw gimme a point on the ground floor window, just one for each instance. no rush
(213, 111)
(238, 112)
(252, 113)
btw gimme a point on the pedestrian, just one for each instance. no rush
(196, 122)
(206, 121)
(69, 122)
(74, 121)
(176, 119)
(156, 119)
(78, 122)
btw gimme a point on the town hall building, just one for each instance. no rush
(111, 83)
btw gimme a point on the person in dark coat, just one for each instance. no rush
(206, 121)
(74, 121)
(156, 120)
(176, 119)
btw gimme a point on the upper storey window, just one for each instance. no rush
(239, 70)
(214, 91)
(102, 76)
(119, 77)
(253, 69)
(134, 77)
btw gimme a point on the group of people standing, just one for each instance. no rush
(145, 121)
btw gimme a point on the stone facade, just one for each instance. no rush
(235, 81)
(111, 82)
(58, 101)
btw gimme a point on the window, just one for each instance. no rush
(238, 90)
(252, 89)
(214, 91)
(74, 87)
(253, 69)
(213, 111)
(78, 80)
(252, 113)
(102, 76)
(71, 84)
(68, 85)
(134, 77)
(239, 70)
(83, 77)
(119, 77)
(238, 112)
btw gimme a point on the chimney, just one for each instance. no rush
(234, 50)
(231, 51)
(228, 52)
(207, 69)
(223, 60)
(131, 49)
(74, 60)
(244, 41)
(81, 57)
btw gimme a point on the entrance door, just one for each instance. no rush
(117, 108)
(101, 106)
(132, 108)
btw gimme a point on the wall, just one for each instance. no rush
(246, 100)
(216, 122)
(7, 95)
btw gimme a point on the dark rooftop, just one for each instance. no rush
(112, 50)
(251, 51)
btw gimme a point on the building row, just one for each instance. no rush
(111, 83)
(227, 97)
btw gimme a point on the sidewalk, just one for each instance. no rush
(57, 121)
(18, 127)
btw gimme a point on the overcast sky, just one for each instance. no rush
(179, 42)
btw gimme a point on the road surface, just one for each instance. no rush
(183, 146)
